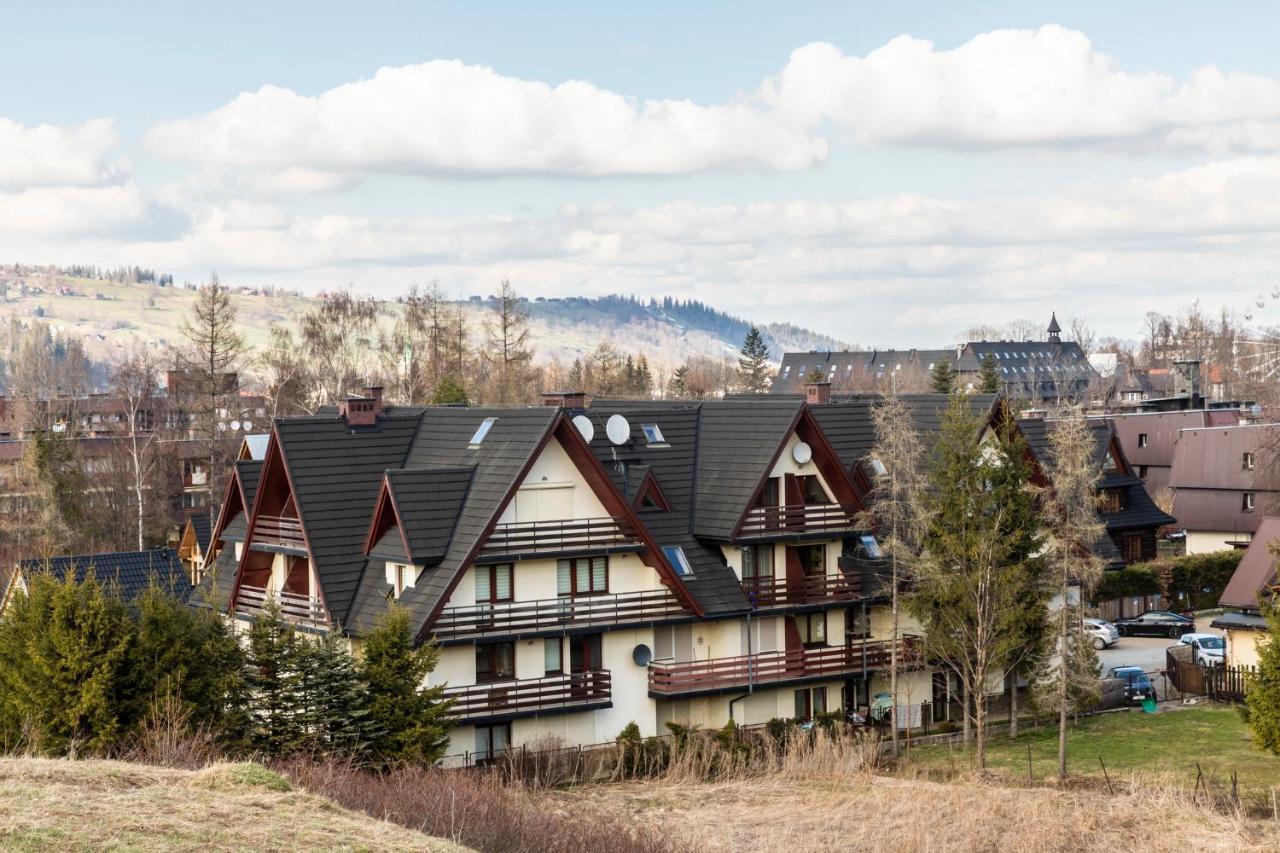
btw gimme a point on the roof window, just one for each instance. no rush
(481, 432)
(877, 467)
(677, 559)
(870, 546)
(653, 435)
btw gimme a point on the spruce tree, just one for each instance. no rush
(753, 363)
(989, 375)
(278, 710)
(1262, 699)
(450, 393)
(335, 716)
(678, 384)
(942, 379)
(411, 720)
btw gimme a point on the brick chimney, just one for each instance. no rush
(565, 399)
(817, 393)
(361, 409)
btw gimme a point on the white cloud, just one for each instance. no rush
(1020, 88)
(69, 211)
(45, 155)
(446, 116)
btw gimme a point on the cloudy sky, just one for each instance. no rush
(888, 174)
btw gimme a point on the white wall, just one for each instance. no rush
(1208, 541)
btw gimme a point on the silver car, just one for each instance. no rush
(1104, 634)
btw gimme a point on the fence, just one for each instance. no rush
(1228, 683)
(1130, 605)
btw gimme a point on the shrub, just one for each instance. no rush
(412, 721)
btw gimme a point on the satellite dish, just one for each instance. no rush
(585, 428)
(642, 655)
(248, 425)
(802, 453)
(618, 429)
(222, 426)
(235, 425)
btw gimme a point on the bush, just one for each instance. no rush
(1195, 581)
(1138, 579)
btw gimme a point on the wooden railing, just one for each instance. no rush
(514, 617)
(295, 607)
(767, 667)
(542, 537)
(797, 518)
(530, 694)
(775, 591)
(278, 530)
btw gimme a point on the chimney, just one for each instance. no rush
(565, 399)
(374, 393)
(817, 393)
(361, 409)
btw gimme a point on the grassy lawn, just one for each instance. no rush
(1169, 742)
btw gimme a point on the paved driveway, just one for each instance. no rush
(1146, 652)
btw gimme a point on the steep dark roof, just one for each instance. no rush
(202, 528)
(131, 572)
(1257, 569)
(429, 501)
(249, 470)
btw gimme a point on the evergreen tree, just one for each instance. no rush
(450, 393)
(753, 363)
(942, 379)
(275, 682)
(678, 384)
(335, 713)
(1262, 699)
(411, 721)
(989, 375)
(644, 377)
(63, 652)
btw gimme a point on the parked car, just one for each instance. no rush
(1137, 686)
(1103, 632)
(1209, 649)
(1156, 623)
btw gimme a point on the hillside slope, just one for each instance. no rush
(112, 318)
(93, 805)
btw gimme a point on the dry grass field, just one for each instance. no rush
(110, 805)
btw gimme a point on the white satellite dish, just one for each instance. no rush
(618, 429)
(585, 428)
(235, 425)
(222, 426)
(248, 425)
(802, 453)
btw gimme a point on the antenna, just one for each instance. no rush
(618, 429)
(802, 453)
(585, 428)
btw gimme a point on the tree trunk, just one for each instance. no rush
(1013, 705)
(1062, 682)
(967, 715)
(893, 662)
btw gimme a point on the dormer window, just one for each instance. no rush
(481, 432)
(677, 559)
(401, 577)
(868, 545)
(653, 435)
(1142, 439)
(1246, 502)
(1247, 462)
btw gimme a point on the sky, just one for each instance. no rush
(889, 174)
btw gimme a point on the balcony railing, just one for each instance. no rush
(295, 607)
(771, 667)
(278, 530)
(530, 695)
(776, 591)
(558, 537)
(788, 519)
(515, 617)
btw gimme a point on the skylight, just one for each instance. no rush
(871, 546)
(677, 559)
(481, 432)
(653, 434)
(877, 467)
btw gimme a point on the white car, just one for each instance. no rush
(1209, 649)
(1103, 632)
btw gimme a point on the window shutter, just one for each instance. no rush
(599, 574)
(482, 583)
(562, 578)
(502, 579)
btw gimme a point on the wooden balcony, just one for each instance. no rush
(764, 522)
(546, 538)
(709, 676)
(625, 608)
(279, 531)
(531, 695)
(807, 589)
(294, 607)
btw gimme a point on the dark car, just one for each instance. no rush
(1137, 686)
(1156, 623)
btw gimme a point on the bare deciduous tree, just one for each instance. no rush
(135, 383)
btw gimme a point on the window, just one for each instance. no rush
(495, 662)
(481, 432)
(653, 435)
(492, 741)
(870, 547)
(877, 467)
(769, 494)
(757, 562)
(1113, 500)
(552, 664)
(1246, 502)
(679, 562)
(1247, 462)
(493, 583)
(1142, 471)
(812, 492)
(812, 558)
(812, 628)
(810, 701)
(582, 576)
(857, 623)
(401, 577)
(1132, 547)
(1142, 439)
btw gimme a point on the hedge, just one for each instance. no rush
(1196, 581)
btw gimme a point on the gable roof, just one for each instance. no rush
(130, 572)
(427, 502)
(1257, 569)
(201, 528)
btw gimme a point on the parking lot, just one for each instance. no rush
(1146, 652)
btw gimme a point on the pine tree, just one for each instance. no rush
(1262, 699)
(942, 379)
(644, 377)
(277, 713)
(753, 363)
(411, 721)
(989, 375)
(450, 393)
(678, 384)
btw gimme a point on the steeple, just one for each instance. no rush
(1055, 331)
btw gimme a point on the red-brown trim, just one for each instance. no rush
(232, 482)
(386, 499)
(653, 489)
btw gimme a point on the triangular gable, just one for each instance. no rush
(232, 504)
(385, 520)
(649, 495)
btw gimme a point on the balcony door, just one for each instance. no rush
(586, 656)
(806, 566)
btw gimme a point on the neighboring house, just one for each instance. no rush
(859, 371)
(1252, 584)
(1048, 371)
(1223, 483)
(1149, 438)
(193, 545)
(129, 573)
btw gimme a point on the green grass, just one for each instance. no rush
(1169, 742)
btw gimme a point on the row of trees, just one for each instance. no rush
(83, 672)
(990, 566)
